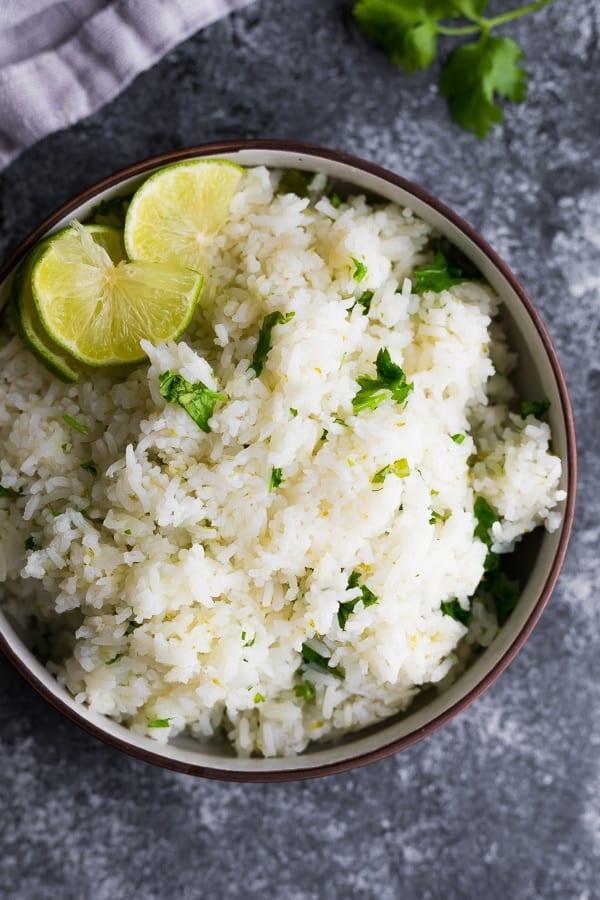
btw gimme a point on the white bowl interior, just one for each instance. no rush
(535, 379)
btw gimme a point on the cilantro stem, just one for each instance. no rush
(516, 13)
(461, 29)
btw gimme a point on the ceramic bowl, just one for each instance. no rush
(539, 558)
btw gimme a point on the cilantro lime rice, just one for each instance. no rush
(293, 520)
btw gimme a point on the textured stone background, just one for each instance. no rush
(504, 802)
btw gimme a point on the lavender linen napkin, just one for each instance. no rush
(60, 60)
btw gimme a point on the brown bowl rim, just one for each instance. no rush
(338, 156)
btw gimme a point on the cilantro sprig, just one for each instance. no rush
(346, 608)
(440, 274)
(198, 401)
(263, 345)
(476, 74)
(390, 383)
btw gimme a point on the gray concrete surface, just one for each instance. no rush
(504, 802)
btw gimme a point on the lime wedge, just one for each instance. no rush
(98, 307)
(27, 320)
(174, 215)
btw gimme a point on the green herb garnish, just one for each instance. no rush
(158, 723)
(7, 492)
(294, 412)
(439, 275)
(503, 590)
(127, 532)
(305, 691)
(365, 301)
(389, 384)
(438, 517)
(276, 478)
(360, 269)
(535, 408)
(75, 424)
(458, 438)
(30, 544)
(295, 181)
(264, 338)
(347, 608)
(310, 656)
(335, 201)
(111, 662)
(258, 698)
(486, 516)
(400, 468)
(198, 401)
(453, 609)
(476, 74)
(89, 467)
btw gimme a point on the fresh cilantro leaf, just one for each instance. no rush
(486, 516)
(346, 608)
(293, 411)
(406, 29)
(250, 642)
(158, 723)
(457, 438)
(453, 609)
(305, 691)
(310, 656)
(30, 544)
(111, 662)
(89, 467)
(75, 424)
(335, 201)
(365, 301)
(478, 72)
(7, 492)
(438, 517)
(276, 478)
(438, 275)
(131, 626)
(264, 338)
(535, 408)
(360, 269)
(198, 401)
(295, 181)
(504, 591)
(258, 698)
(390, 383)
(400, 468)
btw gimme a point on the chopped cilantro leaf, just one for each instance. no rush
(276, 478)
(438, 275)
(390, 383)
(438, 517)
(486, 517)
(249, 643)
(7, 492)
(89, 467)
(295, 181)
(258, 698)
(346, 608)
(458, 438)
(293, 411)
(30, 544)
(400, 468)
(264, 338)
(158, 723)
(305, 691)
(310, 656)
(66, 447)
(111, 662)
(503, 590)
(335, 201)
(453, 609)
(198, 401)
(365, 301)
(127, 531)
(131, 626)
(75, 424)
(360, 269)
(535, 408)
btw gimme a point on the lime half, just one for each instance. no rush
(175, 213)
(29, 327)
(98, 307)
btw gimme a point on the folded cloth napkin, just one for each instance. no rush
(60, 60)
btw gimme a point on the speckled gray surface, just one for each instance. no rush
(504, 802)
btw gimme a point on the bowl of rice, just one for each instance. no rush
(364, 529)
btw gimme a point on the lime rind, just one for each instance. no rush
(98, 311)
(177, 211)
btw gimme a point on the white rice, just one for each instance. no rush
(193, 587)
